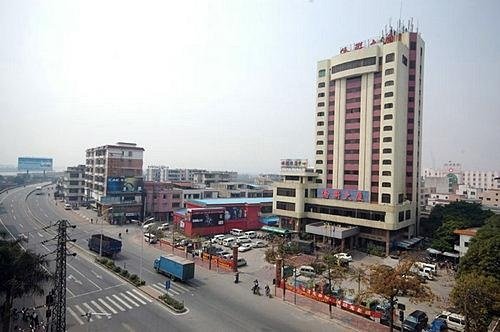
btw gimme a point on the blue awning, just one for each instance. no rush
(270, 220)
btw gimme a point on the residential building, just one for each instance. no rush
(161, 199)
(441, 184)
(167, 174)
(473, 178)
(154, 173)
(113, 179)
(209, 177)
(240, 189)
(267, 179)
(490, 198)
(465, 235)
(73, 185)
(365, 186)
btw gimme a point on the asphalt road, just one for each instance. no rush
(214, 302)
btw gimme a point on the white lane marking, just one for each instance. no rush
(93, 283)
(129, 299)
(181, 287)
(116, 304)
(91, 310)
(163, 290)
(142, 295)
(13, 216)
(72, 277)
(135, 297)
(31, 234)
(99, 307)
(45, 214)
(107, 306)
(123, 302)
(40, 234)
(75, 316)
(96, 275)
(82, 312)
(70, 292)
(21, 225)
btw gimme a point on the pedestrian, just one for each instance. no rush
(91, 220)
(126, 230)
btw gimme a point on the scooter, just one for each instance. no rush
(256, 290)
(268, 292)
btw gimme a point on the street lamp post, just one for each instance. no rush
(102, 222)
(142, 242)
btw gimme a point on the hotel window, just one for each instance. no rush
(389, 57)
(386, 184)
(332, 83)
(387, 150)
(386, 198)
(322, 73)
(321, 84)
(386, 162)
(387, 128)
(320, 132)
(319, 162)
(377, 86)
(388, 105)
(413, 45)
(391, 83)
(389, 71)
(386, 173)
(319, 142)
(321, 104)
(405, 60)
(321, 113)
(321, 94)
(319, 151)
(412, 64)
(320, 123)
(412, 78)
(388, 117)
(388, 94)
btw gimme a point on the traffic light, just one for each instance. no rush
(401, 315)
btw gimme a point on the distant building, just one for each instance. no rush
(113, 179)
(267, 179)
(473, 178)
(441, 184)
(240, 189)
(167, 174)
(465, 235)
(161, 199)
(209, 177)
(490, 198)
(154, 173)
(73, 185)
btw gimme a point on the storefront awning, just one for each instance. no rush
(450, 254)
(434, 251)
(270, 220)
(276, 230)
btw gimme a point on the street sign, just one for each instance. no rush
(167, 284)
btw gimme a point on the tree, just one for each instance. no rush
(477, 297)
(483, 255)
(358, 274)
(388, 282)
(21, 273)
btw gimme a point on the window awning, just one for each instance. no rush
(276, 230)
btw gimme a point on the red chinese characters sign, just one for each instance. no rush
(344, 194)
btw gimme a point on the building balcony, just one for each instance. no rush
(329, 230)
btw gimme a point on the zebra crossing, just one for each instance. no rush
(175, 288)
(107, 306)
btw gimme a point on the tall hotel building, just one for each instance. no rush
(363, 191)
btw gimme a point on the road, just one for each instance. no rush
(214, 302)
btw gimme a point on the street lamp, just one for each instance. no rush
(142, 241)
(102, 222)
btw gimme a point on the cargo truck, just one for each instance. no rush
(110, 246)
(174, 267)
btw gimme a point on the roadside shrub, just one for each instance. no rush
(110, 264)
(117, 269)
(125, 273)
(177, 305)
(270, 256)
(103, 260)
(133, 277)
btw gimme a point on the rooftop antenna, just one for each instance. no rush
(400, 11)
(417, 26)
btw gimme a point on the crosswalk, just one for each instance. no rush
(175, 288)
(107, 306)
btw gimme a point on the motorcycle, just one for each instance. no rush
(256, 290)
(268, 292)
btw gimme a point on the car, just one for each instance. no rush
(163, 227)
(228, 256)
(437, 325)
(217, 238)
(306, 270)
(67, 206)
(241, 262)
(343, 256)
(259, 244)
(251, 234)
(453, 321)
(222, 253)
(415, 322)
(147, 227)
(150, 238)
(245, 247)
(243, 239)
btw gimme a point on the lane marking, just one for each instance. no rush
(128, 299)
(93, 283)
(135, 297)
(13, 216)
(181, 287)
(21, 225)
(115, 304)
(91, 310)
(99, 307)
(163, 290)
(75, 316)
(107, 306)
(82, 312)
(142, 295)
(40, 234)
(123, 302)
(70, 292)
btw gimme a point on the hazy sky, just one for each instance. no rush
(227, 84)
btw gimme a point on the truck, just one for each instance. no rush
(110, 246)
(174, 267)
(306, 247)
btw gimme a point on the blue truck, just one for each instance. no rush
(174, 267)
(110, 246)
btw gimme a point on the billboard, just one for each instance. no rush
(120, 184)
(34, 164)
(207, 217)
(293, 163)
(344, 194)
(234, 213)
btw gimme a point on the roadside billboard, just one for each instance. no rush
(34, 164)
(206, 217)
(120, 184)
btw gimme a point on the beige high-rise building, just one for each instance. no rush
(368, 143)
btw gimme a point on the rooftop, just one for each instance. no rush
(467, 231)
(228, 201)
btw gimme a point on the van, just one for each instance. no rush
(217, 238)
(306, 270)
(67, 206)
(453, 321)
(228, 242)
(432, 267)
(147, 227)
(150, 238)
(243, 239)
(236, 232)
(251, 234)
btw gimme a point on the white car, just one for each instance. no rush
(163, 227)
(259, 244)
(245, 247)
(243, 239)
(343, 256)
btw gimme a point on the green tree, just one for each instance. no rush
(21, 273)
(483, 255)
(389, 282)
(477, 297)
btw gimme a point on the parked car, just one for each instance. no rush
(228, 256)
(243, 239)
(251, 234)
(67, 206)
(306, 270)
(222, 253)
(259, 244)
(217, 238)
(343, 256)
(245, 247)
(437, 325)
(453, 321)
(150, 238)
(241, 262)
(415, 322)
(163, 227)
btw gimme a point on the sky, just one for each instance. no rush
(228, 85)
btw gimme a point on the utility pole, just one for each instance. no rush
(59, 310)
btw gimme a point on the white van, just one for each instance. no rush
(150, 238)
(432, 267)
(306, 270)
(251, 234)
(243, 239)
(228, 242)
(453, 321)
(217, 238)
(236, 232)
